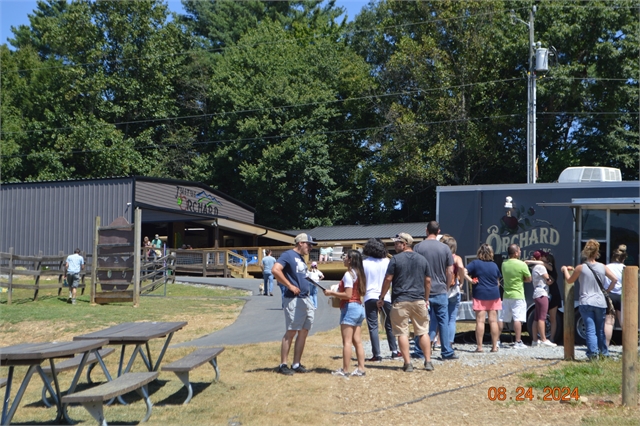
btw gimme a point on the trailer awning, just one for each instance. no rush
(598, 203)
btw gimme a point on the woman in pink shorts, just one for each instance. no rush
(485, 276)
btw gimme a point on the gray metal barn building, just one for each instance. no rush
(55, 216)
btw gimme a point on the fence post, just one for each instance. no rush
(10, 289)
(94, 262)
(37, 263)
(630, 336)
(137, 243)
(569, 322)
(60, 269)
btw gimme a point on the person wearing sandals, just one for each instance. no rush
(514, 306)
(484, 275)
(352, 286)
(616, 266)
(593, 305)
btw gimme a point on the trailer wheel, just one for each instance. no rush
(581, 329)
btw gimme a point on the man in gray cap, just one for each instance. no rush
(291, 271)
(409, 272)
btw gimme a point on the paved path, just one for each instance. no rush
(261, 318)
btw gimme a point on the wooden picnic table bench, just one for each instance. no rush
(184, 365)
(92, 399)
(72, 364)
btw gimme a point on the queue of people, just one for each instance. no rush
(420, 286)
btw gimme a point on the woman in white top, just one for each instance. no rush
(375, 267)
(616, 267)
(541, 280)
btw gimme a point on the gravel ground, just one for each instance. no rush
(468, 356)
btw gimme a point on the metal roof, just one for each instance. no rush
(364, 232)
(598, 203)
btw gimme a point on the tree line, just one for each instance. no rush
(314, 120)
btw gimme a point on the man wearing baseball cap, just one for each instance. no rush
(411, 277)
(291, 271)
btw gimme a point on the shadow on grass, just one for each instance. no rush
(179, 397)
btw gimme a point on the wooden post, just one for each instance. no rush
(10, 288)
(137, 242)
(94, 262)
(569, 322)
(37, 264)
(61, 269)
(630, 336)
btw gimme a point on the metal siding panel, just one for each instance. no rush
(55, 216)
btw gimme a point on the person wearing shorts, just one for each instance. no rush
(411, 277)
(72, 267)
(514, 306)
(484, 275)
(541, 281)
(291, 271)
(350, 290)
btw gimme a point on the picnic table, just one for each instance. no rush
(138, 334)
(33, 354)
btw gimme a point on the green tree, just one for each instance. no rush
(279, 97)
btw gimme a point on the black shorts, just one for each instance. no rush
(617, 301)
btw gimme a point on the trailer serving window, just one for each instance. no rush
(610, 221)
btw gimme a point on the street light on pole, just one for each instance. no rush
(537, 56)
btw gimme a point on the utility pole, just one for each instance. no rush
(531, 107)
(537, 62)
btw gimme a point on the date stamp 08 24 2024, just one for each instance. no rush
(526, 394)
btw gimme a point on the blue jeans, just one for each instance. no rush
(439, 318)
(282, 289)
(268, 282)
(593, 318)
(371, 309)
(454, 304)
(313, 293)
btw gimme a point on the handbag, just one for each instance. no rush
(610, 309)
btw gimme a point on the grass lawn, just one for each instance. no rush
(251, 393)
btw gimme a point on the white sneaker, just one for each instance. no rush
(339, 372)
(535, 343)
(548, 343)
(358, 372)
(519, 345)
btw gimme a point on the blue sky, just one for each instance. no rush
(14, 12)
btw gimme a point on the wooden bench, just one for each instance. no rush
(72, 364)
(92, 399)
(184, 365)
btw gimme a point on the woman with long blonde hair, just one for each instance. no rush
(593, 306)
(350, 291)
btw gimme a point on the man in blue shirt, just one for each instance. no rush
(267, 277)
(291, 271)
(72, 267)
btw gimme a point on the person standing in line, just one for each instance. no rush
(291, 271)
(514, 306)
(352, 286)
(375, 266)
(541, 281)
(72, 268)
(454, 293)
(440, 262)
(593, 305)
(616, 266)
(484, 275)
(267, 276)
(315, 275)
(409, 272)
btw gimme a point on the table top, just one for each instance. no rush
(35, 353)
(134, 332)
